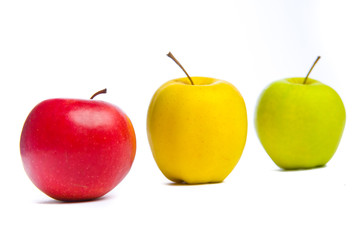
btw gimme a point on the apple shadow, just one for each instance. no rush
(52, 201)
(193, 184)
(299, 169)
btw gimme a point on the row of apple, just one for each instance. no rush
(76, 150)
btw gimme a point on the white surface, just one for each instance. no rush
(73, 48)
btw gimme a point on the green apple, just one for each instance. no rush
(197, 129)
(299, 122)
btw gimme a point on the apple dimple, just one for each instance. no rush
(197, 81)
(191, 80)
(306, 80)
(300, 81)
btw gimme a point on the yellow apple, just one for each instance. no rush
(197, 130)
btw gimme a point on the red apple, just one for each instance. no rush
(77, 150)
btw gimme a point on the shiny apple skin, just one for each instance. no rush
(77, 150)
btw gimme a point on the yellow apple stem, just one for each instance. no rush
(177, 62)
(98, 92)
(317, 59)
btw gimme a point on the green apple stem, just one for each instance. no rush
(178, 63)
(98, 92)
(317, 59)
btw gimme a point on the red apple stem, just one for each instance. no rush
(98, 92)
(178, 63)
(317, 59)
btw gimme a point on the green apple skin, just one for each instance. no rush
(299, 125)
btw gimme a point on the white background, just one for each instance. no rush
(73, 48)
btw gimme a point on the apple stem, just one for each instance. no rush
(317, 59)
(98, 92)
(178, 63)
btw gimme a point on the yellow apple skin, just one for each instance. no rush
(197, 133)
(299, 125)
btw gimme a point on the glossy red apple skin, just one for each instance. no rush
(77, 150)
